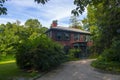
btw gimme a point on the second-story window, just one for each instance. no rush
(87, 38)
(59, 36)
(66, 36)
(76, 37)
(49, 34)
(84, 37)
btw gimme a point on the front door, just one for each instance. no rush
(83, 47)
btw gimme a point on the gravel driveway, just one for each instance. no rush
(78, 70)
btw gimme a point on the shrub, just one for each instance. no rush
(75, 53)
(107, 66)
(93, 55)
(7, 57)
(40, 53)
(113, 53)
(110, 58)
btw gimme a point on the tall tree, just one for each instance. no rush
(81, 4)
(33, 23)
(103, 22)
(12, 34)
(75, 22)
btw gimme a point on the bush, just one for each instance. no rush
(113, 53)
(40, 53)
(93, 55)
(74, 53)
(7, 57)
(107, 66)
(110, 58)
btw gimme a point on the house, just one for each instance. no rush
(70, 37)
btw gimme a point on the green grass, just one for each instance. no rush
(9, 70)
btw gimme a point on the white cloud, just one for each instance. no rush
(5, 20)
(26, 9)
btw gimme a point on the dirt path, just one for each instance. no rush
(78, 70)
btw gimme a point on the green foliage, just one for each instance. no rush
(110, 58)
(33, 23)
(107, 66)
(8, 39)
(81, 4)
(75, 23)
(3, 10)
(32, 49)
(40, 54)
(103, 22)
(41, 1)
(113, 53)
(93, 56)
(74, 53)
(12, 34)
(7, 58)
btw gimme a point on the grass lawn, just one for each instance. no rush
(10, 71)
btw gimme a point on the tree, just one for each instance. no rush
(75, 22)
(39, 53)
(41, 1)
(102, 21)
(11, 34)
(107, 21)
(81, 4)
(33, 23)
(3, 10)
(17, 22)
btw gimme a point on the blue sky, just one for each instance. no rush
(53, 10)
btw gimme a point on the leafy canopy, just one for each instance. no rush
(3, 10)
(11, 34)
(75, 22)
(33, 23)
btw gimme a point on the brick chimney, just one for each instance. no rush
(54, 23)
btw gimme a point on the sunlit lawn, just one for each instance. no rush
(10, 71)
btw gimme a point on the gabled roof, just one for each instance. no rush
(69, 29)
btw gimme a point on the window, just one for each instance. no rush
(87, 38)
(49, 34)
(59, 36)
(66, 36)
(62, 36)
(76, 37)
(84, 37)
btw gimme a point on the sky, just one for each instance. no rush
(23, 10)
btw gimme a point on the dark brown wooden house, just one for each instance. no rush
(70, 37)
